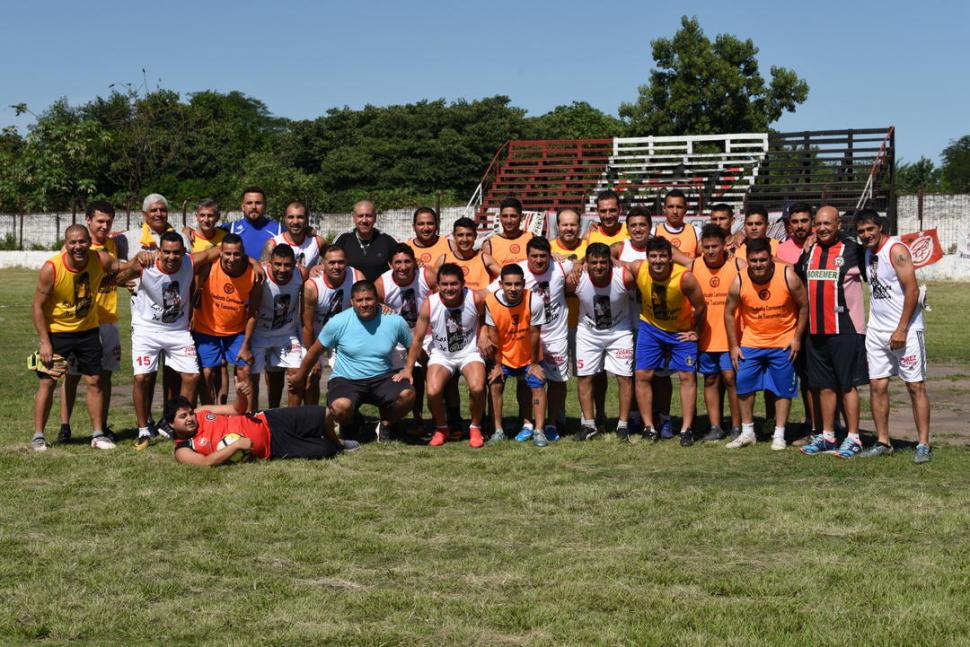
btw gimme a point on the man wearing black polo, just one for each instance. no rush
(368, 250)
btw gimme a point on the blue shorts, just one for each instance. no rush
(659, 349)
(212, 349)
(767, 369)
(523, 374)
(713, 362)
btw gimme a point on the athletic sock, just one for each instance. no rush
(38, 434)
(854, 437)
(528, 425)
(747, 428)
(829, 436)
(96, 433)
(583, 422)
(779, 432)
(621, 424)
(144, 431)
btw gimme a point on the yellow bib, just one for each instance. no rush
(107, 296)
(71, 305)
(663, 302)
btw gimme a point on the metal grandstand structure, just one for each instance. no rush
(847, 169)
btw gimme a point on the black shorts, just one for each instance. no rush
(380, 391)
(297, 432)
(837, 361)
(84, 346)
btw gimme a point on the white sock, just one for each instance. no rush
(621, 424)
(779, 433)
(144, 431)
(747, 428)
(587, 423)
(855, 438)
(527, 425)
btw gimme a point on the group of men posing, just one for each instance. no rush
(400, 321)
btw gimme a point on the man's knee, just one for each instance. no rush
(406, 398)
(711, 379)
(342, 410)
(190, 379)
(92, 380)
(687, 377)
(143, 378)
(916, 388)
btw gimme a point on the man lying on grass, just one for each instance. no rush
(217, 434)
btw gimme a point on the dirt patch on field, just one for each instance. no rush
(948, 387)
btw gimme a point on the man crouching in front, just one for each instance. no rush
(218, 434)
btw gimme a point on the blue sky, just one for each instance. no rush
(868, 63)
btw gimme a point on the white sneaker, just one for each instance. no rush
(102, 442)
(745, 439)
(778, 443)
(39, 444)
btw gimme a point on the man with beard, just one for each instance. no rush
(367, 248)
(66, 317)
(508, 245)
(450, 318)
(254, 228)
(323, 297)
(755, 228)
(610, 228)
(479, 268)
(832, 270)
(894, 334)
(682, 236)
(798, 224)
(773, 310)
(297, 234)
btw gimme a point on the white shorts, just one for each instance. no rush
(599, 349)
(454, 361)
(178, 346)
(278, 352)
(555, 360)
(110, 350)
(909, 362)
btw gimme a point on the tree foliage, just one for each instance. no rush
(916, 176)
(703, 87)
(956, 165)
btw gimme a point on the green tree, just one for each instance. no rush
(914, 176)
(578, 120)
(956, 165)
(704, 87)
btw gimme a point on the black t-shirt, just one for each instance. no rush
(371, 259)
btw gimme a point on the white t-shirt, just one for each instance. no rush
(162, 301)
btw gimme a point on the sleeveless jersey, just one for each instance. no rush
(224, 303)
(454, 331)
(512, 325)
(307, 253)
(886, 292)
(663, 302)
(476, 274)
(200, 243)
(833, 283)
(162, 301)
(768, 314)
(213, 427)
(506, 251)
(406, 300)
(71, 306)
(428, 255)
(107, 296)
(577, 253)
(742, 250)
(597, 235)
(604, 308)
(279, 308)
(715, 284)
(331, 300)
(685, 240)
(630, 253)
(550, 287)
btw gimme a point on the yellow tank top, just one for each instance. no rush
(71, 305)
(663, 302)
(107, 295)
(200, 243)
(595, 235)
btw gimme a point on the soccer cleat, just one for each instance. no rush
(110, 434)
(382, 433)
(686, 437)
(497, 437)
(524, 435)
(743, 440)
(539, 438)
(144, 442)
(735, 432)
(716, 434)
(585, 433)
(39, 444)
(623, 434)
(819, 445)
(350, 445)
(666, 428)
(475, 438)
(651, 434)
(552, 434)
(924, 454)
(849, 449)
(64, 435)
(101, 441)
(778, 443)
(165, 430)
(438, 439)
(877, 450)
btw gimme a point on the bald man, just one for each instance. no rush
(368, 250)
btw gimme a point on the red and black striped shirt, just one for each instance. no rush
(833, 276)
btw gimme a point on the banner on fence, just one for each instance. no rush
(925, 247)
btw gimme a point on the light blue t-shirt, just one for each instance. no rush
(364, 348)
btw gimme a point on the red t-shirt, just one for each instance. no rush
(213, 427)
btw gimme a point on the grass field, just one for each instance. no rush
(593, 543)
